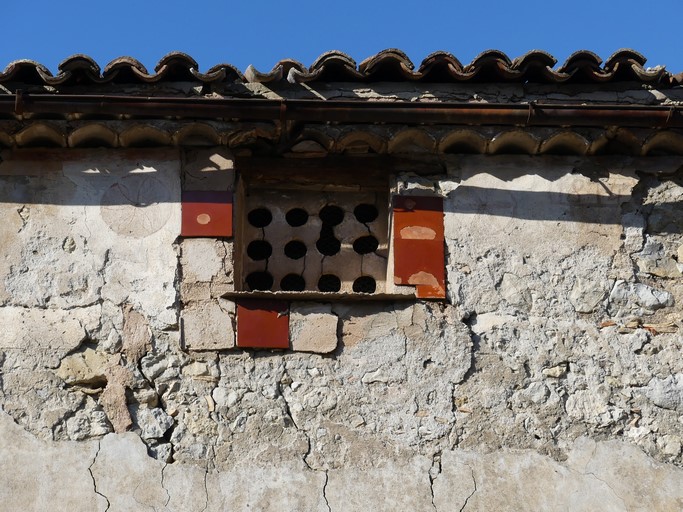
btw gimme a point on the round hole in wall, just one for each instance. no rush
(296, 217)
(260, 217)
(364, 284)
(365, 213)
(295, 249)
(259, 250)
(331, 215)
(259, 281)
(328, 245)
(365, 244)
(329, 283)
(292, 283)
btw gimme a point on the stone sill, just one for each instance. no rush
(320, 296)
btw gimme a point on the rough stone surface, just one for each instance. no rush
(207, 326)
(207, 321)
(86, 367)
(554, 364)
(312, 328)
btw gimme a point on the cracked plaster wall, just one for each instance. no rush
(554, 365)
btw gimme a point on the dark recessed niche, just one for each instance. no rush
(365, 213)
(365, 244)
(328, 245)
(296, 217)
(364, 284)
(259, 281)
(259, 250)
(331, 215)
(260, 217)
(295, 249)
(292, 283)
(329, 283)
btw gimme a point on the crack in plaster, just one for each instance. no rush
(327, 479)
(308, 452)
(139, 502)
(609, 487)
(288, 412)
(168, 494)
(303, 431)
(24, 213)
(474, 482)
(433, 473)
(103, 270)
(206, 491)
(586, 472)
(177, 282)
(476, 341)
(92, 475)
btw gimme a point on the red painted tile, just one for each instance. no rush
(207, 213)
(419, 258)
(262, 324)
(425, 211)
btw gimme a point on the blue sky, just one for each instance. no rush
(263, 32)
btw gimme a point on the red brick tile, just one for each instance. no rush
(207, 213)
(419, 258)
(262, 324)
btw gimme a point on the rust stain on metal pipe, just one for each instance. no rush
(322, 111)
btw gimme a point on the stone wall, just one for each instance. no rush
(551, 377)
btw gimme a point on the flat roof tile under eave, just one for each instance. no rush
(392, 65)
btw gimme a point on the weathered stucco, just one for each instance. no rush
(550, 379)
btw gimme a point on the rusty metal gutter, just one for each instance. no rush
(330, 111)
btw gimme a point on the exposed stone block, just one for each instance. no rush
(87, 367)
(313, 328)
(136, 335)
(638, 298)
(207, 326)
(45, 334)
(206, 260)
(587, 294)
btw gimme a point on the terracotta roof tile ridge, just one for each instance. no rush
(630, 65)
(124, 69)
(390, 65)
(25, 70)
(332, 66)
(440, 67)
(279, 72)
(492, 65)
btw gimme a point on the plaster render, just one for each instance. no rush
(115, 474)
(550, 379)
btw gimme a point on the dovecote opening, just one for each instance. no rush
(312, 235)
(321, 241)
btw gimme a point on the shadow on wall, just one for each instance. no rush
(141, 178)
(530, 188)
(540, 206)
(562, 191)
